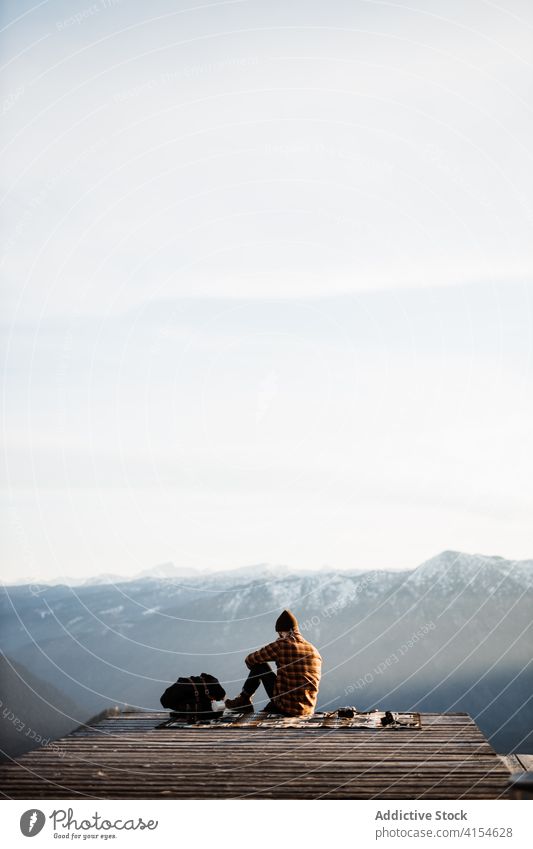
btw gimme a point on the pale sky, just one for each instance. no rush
(267, 283)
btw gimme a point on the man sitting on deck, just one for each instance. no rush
(294, 690)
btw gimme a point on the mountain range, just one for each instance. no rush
(454, 634)
(168, 571)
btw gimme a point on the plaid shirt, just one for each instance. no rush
(298, 675)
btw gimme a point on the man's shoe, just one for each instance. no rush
(242, 703)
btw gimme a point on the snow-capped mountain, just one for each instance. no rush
(454, 569)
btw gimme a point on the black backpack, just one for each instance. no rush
(189, 699)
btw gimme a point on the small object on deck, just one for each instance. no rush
(347, 712)
(243, 718)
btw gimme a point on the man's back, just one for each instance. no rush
(298, 672)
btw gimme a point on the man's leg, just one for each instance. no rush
(272, 707)
(260, 673)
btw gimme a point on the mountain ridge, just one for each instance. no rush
(168, 571)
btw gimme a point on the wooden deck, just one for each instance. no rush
(125, 756)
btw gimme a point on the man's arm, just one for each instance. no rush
(269, 652)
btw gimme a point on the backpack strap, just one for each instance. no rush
(206, 689)
(194, 689)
